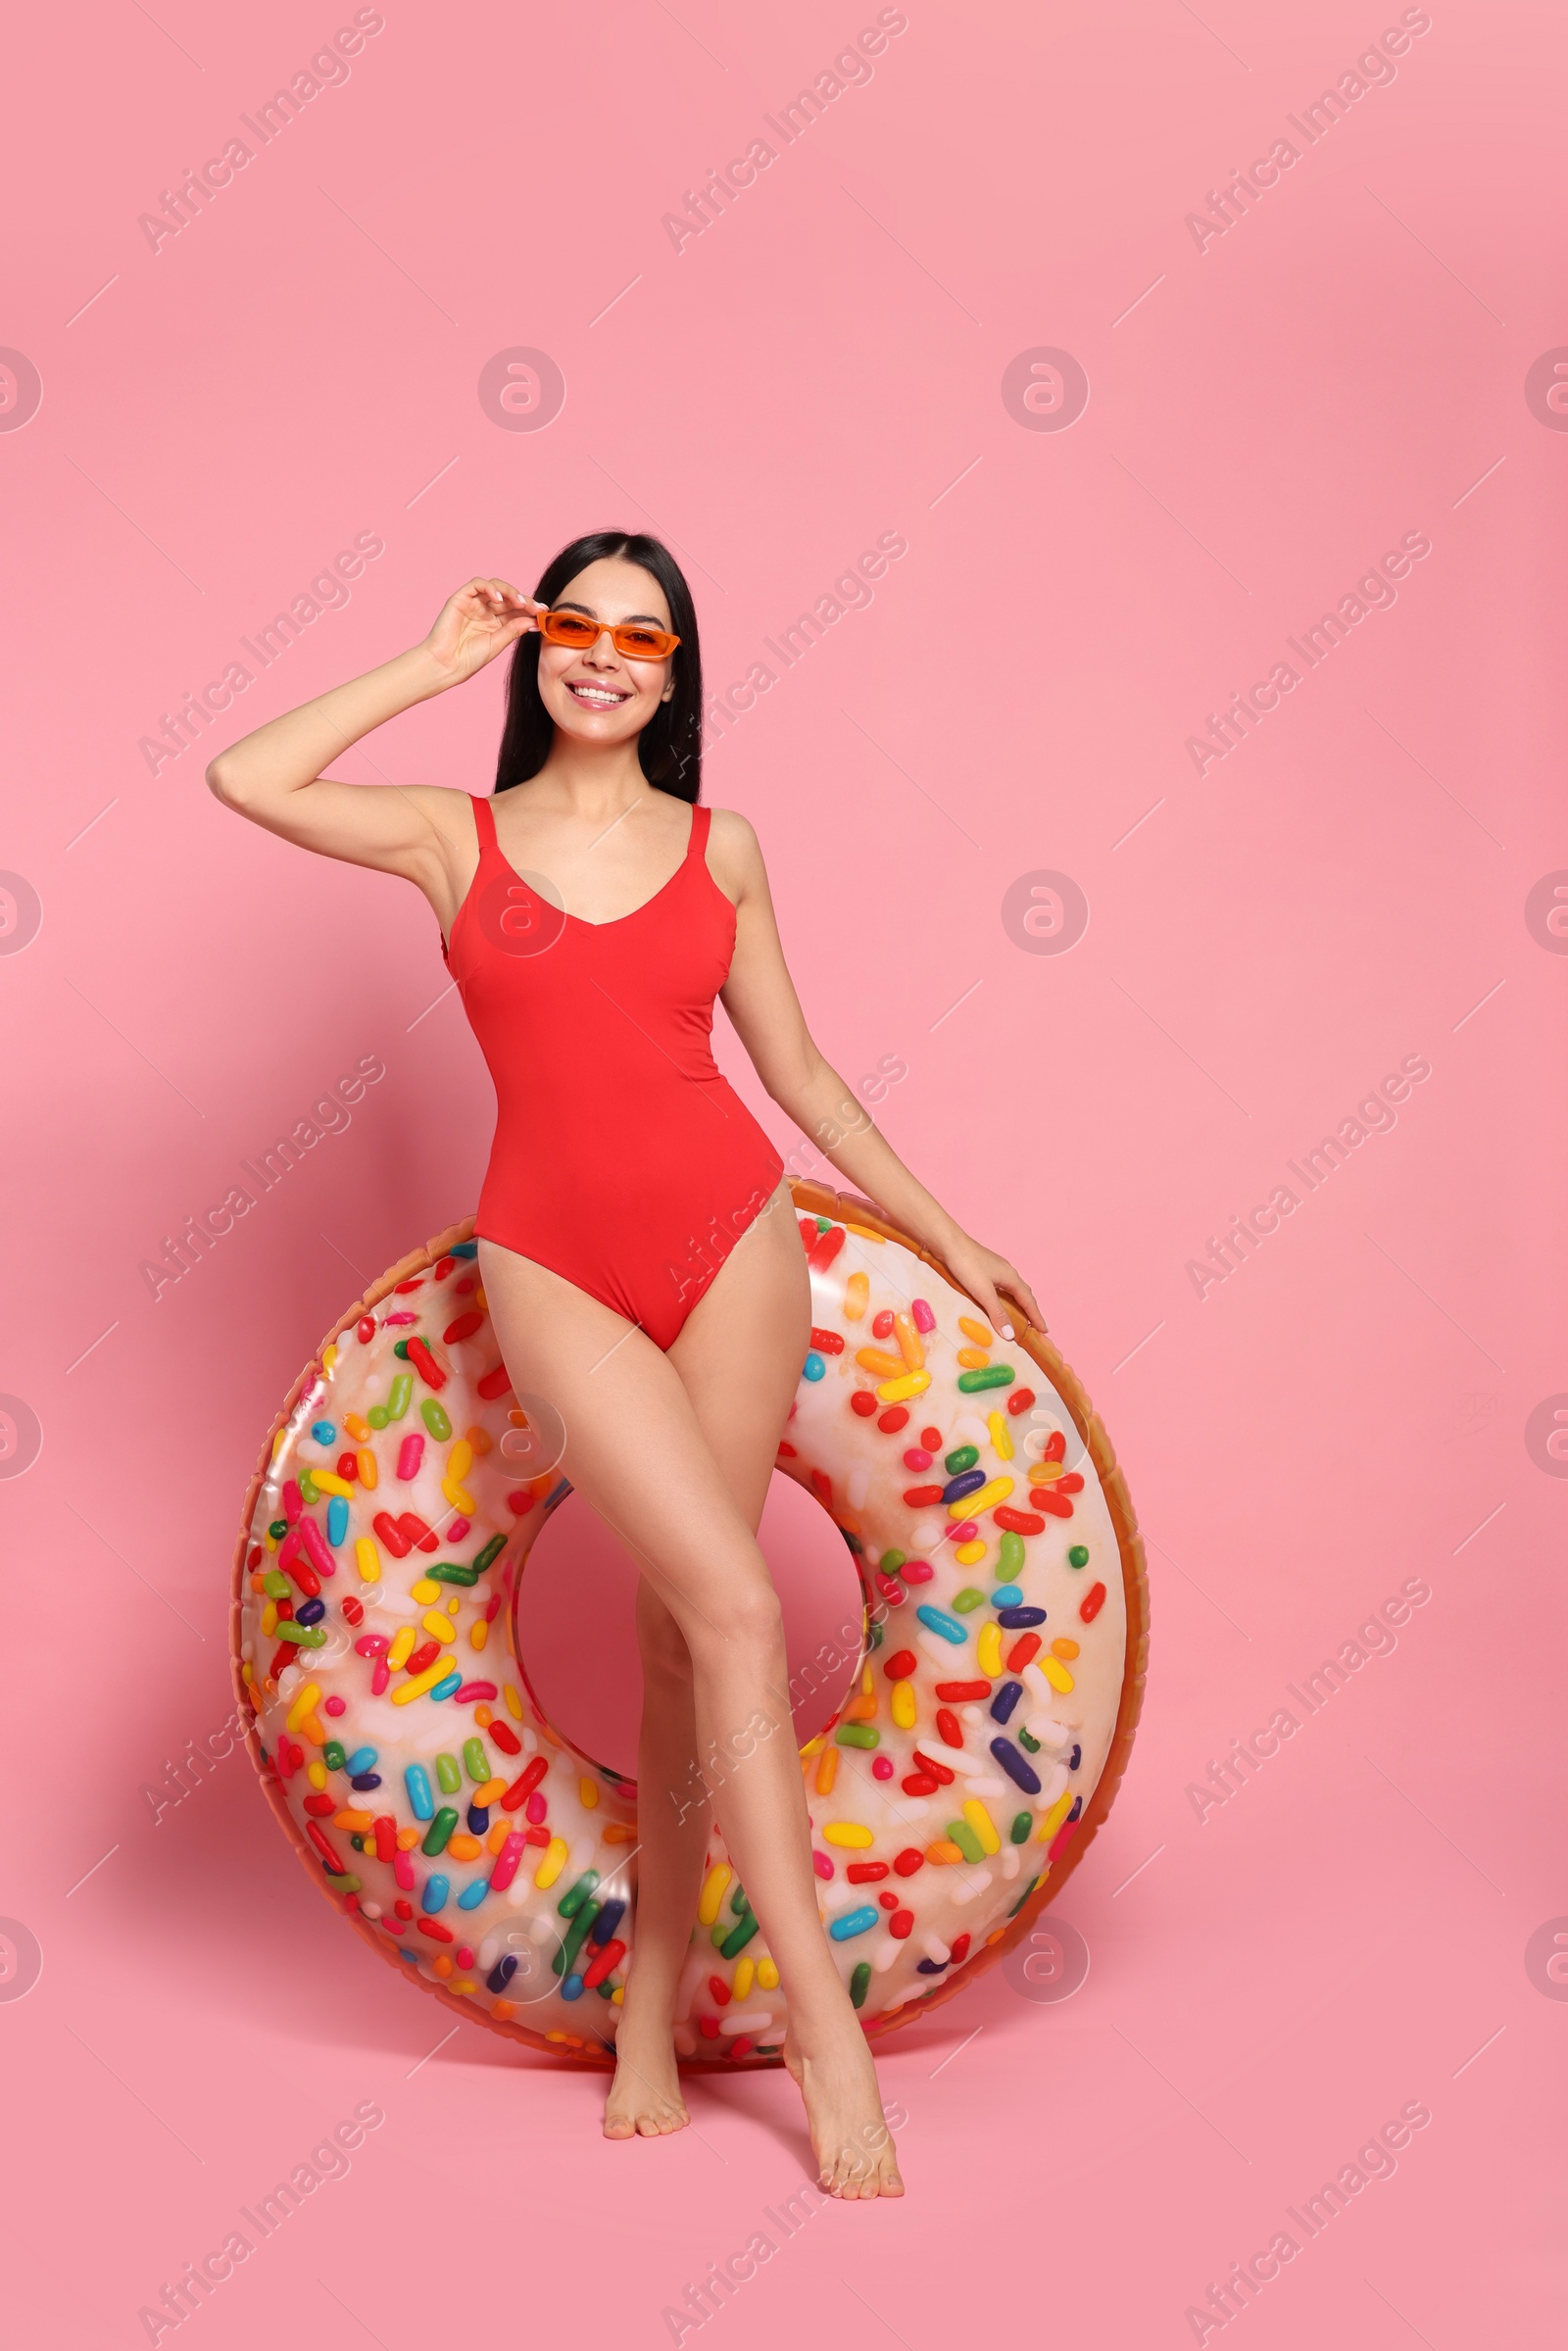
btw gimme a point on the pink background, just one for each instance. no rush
(1345, 364)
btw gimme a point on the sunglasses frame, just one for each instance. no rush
(612, 630)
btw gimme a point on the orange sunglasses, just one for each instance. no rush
(634, 640)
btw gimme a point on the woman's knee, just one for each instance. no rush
(741, 1619)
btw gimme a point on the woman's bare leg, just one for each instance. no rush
(636, 1449)
(673, 1829)
(741, 1388)
(739, 1357)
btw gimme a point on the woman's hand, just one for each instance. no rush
(476, 624)
(990, 1281)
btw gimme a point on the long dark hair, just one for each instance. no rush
(670, 746)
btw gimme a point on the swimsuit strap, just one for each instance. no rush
(484, 823)
(697, 845)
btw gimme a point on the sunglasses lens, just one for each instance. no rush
(643, 644)
(567, 628)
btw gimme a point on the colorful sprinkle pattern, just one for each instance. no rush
(399, 1736)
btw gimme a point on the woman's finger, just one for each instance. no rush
(996, 1312)
(516, 597)
(524, 609)
(1020, 1290)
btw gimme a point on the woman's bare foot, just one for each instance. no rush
(644, 2098)
(850, 2136)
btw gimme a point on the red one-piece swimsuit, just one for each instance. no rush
(622, 1160)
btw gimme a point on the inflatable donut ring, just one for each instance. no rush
(401, 1746)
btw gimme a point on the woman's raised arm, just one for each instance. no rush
(274, 775)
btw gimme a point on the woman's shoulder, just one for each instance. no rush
(439, 800)
(445, 796)
(444, 806)
(734, 852)
(730, 829)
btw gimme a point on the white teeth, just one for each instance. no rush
(594, 694)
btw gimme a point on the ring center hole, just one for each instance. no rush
(577, 1632)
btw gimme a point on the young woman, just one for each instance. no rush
(641, 1260)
